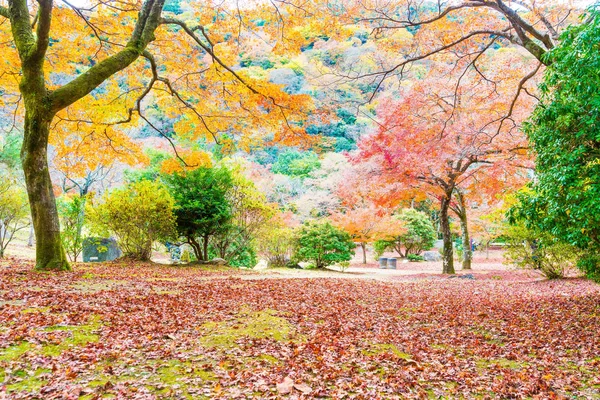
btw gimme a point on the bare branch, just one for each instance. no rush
(433, 52)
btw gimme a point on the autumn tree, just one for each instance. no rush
(419, 145)
(365, 224)
(137, 215)
(186, 68)
(409, 34)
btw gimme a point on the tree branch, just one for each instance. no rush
(209, 49)
(434, 51)
(44, 17)
(4, 12)
(143, 34)
(21, 27)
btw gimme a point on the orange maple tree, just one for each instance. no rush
(87, 75)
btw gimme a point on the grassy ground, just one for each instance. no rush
(149, 331)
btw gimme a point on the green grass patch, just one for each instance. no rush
(15, 351)
(80, 335)
(35, 310)
(94, 287)
(265, 324)
(179, 372)
(484, 363)
(28, 383)
(382, 348)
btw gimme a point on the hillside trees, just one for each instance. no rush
(169, 63)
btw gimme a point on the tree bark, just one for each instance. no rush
(447, 254)
(49, 251)
(467, 253)
(196, 247)
(205, 247)
(364, 249)
(460, 209)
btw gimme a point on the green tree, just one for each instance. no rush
(202, 207)
(323, 244)
(71, 210)
(564, 131)
(137, 215)
(236, 242)
(13, 211)
(420, 234)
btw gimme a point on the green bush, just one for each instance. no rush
(415, 257)
(323, 245)
(530, 249)
(239, 254)
(136, 215)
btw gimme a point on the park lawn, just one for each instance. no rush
(142, 331)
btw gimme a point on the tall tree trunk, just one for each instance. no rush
(363, 245)
(447, 254)
(205, 245)
(49, 251)
(460, 209)
(467, 253)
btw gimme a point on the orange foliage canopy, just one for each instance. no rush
(193, 79)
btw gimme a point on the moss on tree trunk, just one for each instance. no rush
(50, 254)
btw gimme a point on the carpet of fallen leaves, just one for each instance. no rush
(147, 331)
